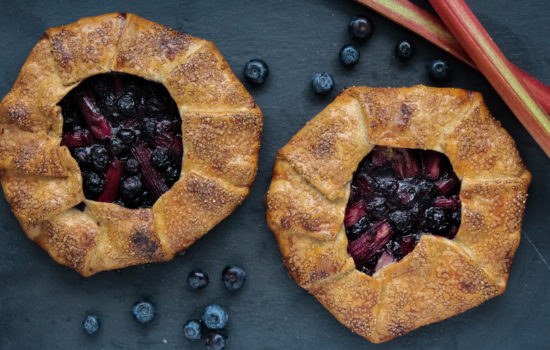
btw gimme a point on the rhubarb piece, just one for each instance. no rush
(434, 30)
(364, 247)
(495, 67)
(404, 163)
(354, 212)
(447, 183)
(76, 138)
(384, 260)
(451, 202)
(379, 155)
(153, 180)
(432, 161)
(112, 179)
(95, 120)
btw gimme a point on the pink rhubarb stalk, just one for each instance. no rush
(95, 120)
(434, 30)
(495, 67)
(112, 179)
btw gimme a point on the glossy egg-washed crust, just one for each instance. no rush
(440, 277)
(221, 128)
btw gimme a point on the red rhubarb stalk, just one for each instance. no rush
(112, 179)
(153, 180)
(76, 138)
(434, 30)
(95, 120)
(495, 67)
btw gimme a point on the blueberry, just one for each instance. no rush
(377, 208)
(357, 229)
(439, 70)
(197, 279)
(436, 220)
(144, 311)
(214, 317)
(192, 330)
(127, 136)
(171, 174)
(404, 49)
(131, 188)
(233, 277)
(92, 184)
(117, 146)
(349, 55)
(403, 221)
(126, 104)
(80, 154)
(322, 83)
(360, 27)
(256, 71)
(131, 166)
(149, 128)
(455, 217)
(160, 157)
(215, 341)
(91, 324)
(100, 158)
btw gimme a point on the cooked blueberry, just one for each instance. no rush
(404, 49)
(171, 174)
(349, 55)
(126, 104)
(117, 147)
(437, 221)
(100, 158)
(127, 136)
(360, 27)
(144, 311)
(256, 71)
(357, 229)
(92, 184)
(197, 279)
(149, 128)
(215, 340)
(131, 166)
(233, 277)
(131, 188)
(376, 208)
(192, 330)
(406, 193)
(439, 70)
(214, 317)
(160, 157)
(402, 221)
(91, 324)
(109, 106)
(455, 217)
(322, 83)
(387, 185)
(80, 154)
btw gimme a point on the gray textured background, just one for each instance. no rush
(42, 304)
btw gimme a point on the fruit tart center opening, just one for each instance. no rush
(396, 196)
(125, 133)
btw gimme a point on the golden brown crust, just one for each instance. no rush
(42, 182)
(441, 277)
(327, 150)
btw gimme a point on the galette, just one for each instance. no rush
(399, 207)
(122, 142)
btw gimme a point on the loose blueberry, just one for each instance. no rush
(439, 70)
(93, 184)
(360, 27)
(233, 277)
(214, 317)
(144, 311)
(256, 71)
(100, 158)
(197, 279)
(349, 55)
(192, 330)
(404, 49)
(322, 83)
(91, 324)
(160, 157)
(215, 341)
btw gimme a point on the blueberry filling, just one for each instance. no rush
(125, 134)
(396, 196)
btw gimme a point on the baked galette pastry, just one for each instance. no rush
(399, 207)
(122, 142)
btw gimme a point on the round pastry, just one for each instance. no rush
(122, 142)
(399, 207)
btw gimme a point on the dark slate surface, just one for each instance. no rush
(42, 304)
